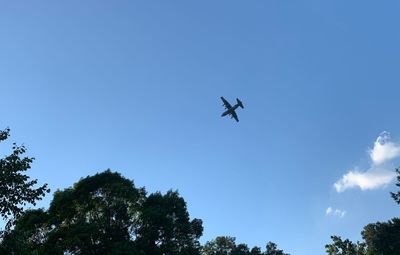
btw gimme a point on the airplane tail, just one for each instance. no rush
(239, 103)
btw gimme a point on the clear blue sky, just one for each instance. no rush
(134, 86)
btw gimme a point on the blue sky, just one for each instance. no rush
(134, 86)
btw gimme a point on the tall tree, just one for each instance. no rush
(221, 245)
(225, 245)
(165, 226)
(240, 249)
(95, 216)
(383, 237)
(29, 234)
(396, 196)
(255, 251)
(345, 247)
(17, 189)
(272, 249)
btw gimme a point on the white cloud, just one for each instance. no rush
(372, 179)
(384, 149)
(337, 212)
(377, 175)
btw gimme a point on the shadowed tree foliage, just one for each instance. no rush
(272, 249)
(29, 235)
(105, 214)
(221, 245)
(16, 189)
(255, 251)
(396, 196)
(165, 226)
(240, 249)
(96, 216)
(383, 238)
(225, 245)
(345, 247)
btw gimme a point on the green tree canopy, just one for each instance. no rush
(241, 249)
(221, 245)
(16, 188)
(383, 238)
(272, 249)
(345, 247)
(165, 226)
(396, 196)
(96, 216)
(106, 214)
(29, 235)
(225, 245)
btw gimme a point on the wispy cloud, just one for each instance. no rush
(335, 212)
(377, 175)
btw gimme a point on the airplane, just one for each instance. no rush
(231, 109)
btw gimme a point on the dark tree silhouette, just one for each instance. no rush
(345, 247)
(255, 251)
(29, 235)
(165, 226)
(16, 188)
(221, 245)
(240, 249)
(106, 214)
(96, 216)
(383, 237)
(272, 249)
(396, 196)
(225, 245)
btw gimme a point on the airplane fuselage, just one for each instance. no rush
(230, 110)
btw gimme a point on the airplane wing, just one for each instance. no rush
(226, 103)
(234, 115)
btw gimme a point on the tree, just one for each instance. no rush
(255, 251)
(241, 249)
(225, 245)
(165, 226)
(272, 249)
(346, 247)
(16, 188)
(29, 235)
(396, 196)
(383, 238)
(106, 214)
(221, 245)
(97, 215)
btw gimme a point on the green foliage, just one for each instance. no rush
(106, 214)
(272, 249)
(396, 196)
(383, 238)
(240, 249)
(16, 189)
(221, 245)
(165, 227)
(28, 236)
(4, 134)
(225, 245)
(96, 216)
(345, 247)
(255, 251)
